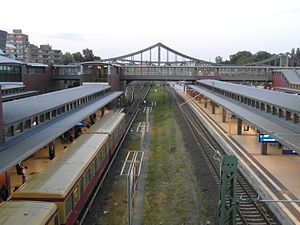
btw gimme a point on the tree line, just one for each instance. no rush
(87, 55)
(246, 57)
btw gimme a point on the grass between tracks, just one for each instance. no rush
(171, 197)
(115, 212)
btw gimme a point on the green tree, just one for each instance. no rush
(78, 57)
(261, 55)
(67, 58)
(88, 55)
(297, 55)
(241, 57)
(218, 59)
(293, 52)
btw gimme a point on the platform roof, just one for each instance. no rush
(292, 76)
(21, 109)
(8, 61)
(274, 98)
(287, 137)
(37, 65)
(288, 90)
(67, 66)
(11, 85)
(19, 95)
(23, 146)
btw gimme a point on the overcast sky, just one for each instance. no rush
(202, 29)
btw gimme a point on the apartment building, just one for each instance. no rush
(43, 54)
(18, 47)
(3, 37)
(20, 41)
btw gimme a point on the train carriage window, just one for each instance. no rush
(113, 138)
(69, 205)
(96, 162)
(109, 141)
(99, 158)
(90, 174)
(81, 186)
(56, 220)
(86, 179)
(102, 153)
(92, 170)
(107, 146)
(75, 196)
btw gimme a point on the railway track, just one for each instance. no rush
(250, 212)
(140, 89)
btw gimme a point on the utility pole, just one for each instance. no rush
(173, 129)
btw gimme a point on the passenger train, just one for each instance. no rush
(70, 180)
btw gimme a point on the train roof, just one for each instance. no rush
(107, 123)
(58, 179)
(26, 212)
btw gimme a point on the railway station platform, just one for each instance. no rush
(40, 160)
(275, 176)
(37, 124)
(283, 167)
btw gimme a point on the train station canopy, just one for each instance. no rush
(8, 61)
(288, 135)
(29, 107)
(292, 76)
(13, 152)
(275, 98)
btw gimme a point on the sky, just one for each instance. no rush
(198, 28)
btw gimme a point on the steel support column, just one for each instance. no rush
(268, 108)
(213, 108)
(274, 110)
(239, 126)
(223, 115)
(296, 118)
(288, 115)
(264, 148)
(280, 112)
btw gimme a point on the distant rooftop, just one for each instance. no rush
(37, 65)
(10, 46)
(292, 76)
(6, 60)
(21, 109)
(279, 99)
(11, 85)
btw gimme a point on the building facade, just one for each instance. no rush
(3, 37)
(49, 55)
(20, 41)
(19, 48)
(43, 54)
